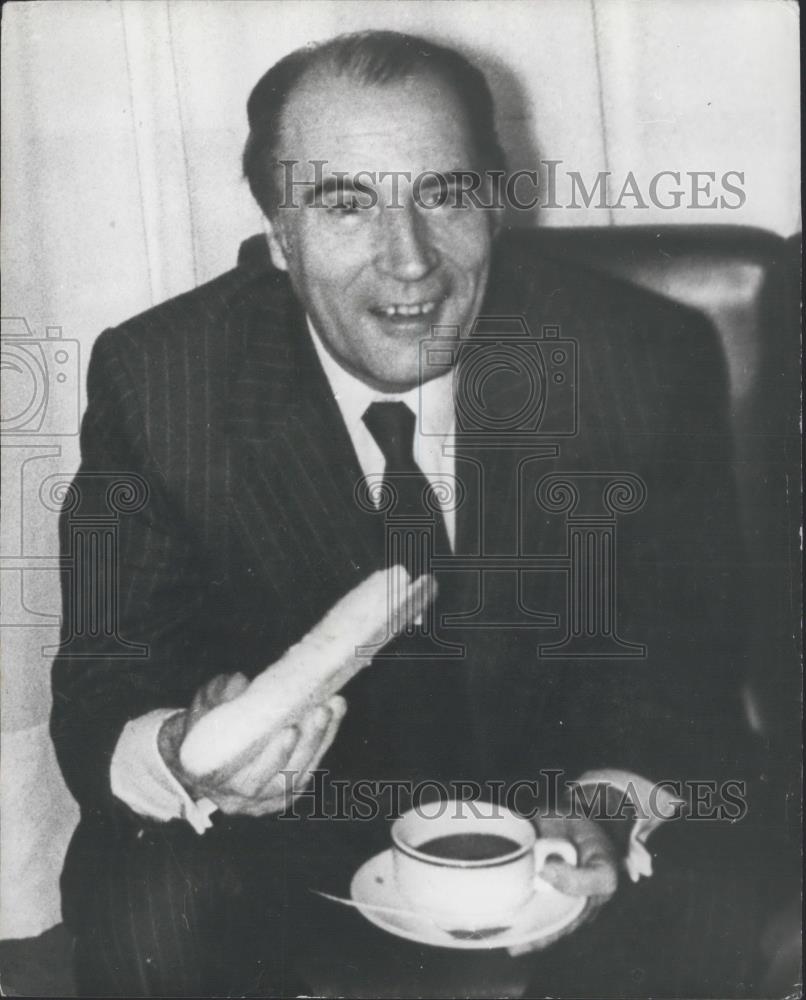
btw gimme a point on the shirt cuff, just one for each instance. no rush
(141, 778)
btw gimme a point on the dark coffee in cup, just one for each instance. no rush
(469, 846)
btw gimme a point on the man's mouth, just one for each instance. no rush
(406, 310)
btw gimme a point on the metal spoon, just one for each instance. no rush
(460, 934)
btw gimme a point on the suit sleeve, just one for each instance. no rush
(149, 647)
(677, 714)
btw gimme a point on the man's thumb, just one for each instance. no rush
(236, 684)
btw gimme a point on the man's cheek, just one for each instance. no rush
(467, 223)
(466, 248)
(336, 260)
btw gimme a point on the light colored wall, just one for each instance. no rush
(122, 128)
(704, 86)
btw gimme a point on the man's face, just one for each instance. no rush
(374, 280)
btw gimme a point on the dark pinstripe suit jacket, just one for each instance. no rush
(251, 532)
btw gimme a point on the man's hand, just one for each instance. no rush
(257, 787)
(595, 875)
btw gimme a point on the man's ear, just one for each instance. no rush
(275, 242)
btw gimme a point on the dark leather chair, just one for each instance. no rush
(746, 282)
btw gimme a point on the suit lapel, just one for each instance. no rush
(293, 469)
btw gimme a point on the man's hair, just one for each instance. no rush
(372, 58)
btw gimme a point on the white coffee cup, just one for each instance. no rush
(460, 891)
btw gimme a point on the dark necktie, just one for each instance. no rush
(415, 525)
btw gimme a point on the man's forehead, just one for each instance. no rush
(415, 123)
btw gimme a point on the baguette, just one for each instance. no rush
(308, 674)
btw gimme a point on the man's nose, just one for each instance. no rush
(406, 251)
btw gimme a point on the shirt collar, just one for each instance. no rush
(432, 402)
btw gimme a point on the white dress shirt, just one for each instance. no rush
(432, 405)
(139, 776)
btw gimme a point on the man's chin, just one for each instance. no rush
(397, 384)
(406, 330)
(389, 378)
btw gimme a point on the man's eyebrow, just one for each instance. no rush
(455, 176)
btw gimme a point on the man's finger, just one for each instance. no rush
(296, 778)
(278, 774)
(251, 778)
(240, 806)
(597, 877)
(268, 806)
(269, 776)
(221, 688)
(313, 731)
(337, 707)
(205, 698)
(235, 684)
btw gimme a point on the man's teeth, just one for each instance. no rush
(422, 309)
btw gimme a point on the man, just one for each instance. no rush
(251, 408)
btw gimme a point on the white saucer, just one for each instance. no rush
(546, 913)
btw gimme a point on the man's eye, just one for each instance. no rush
(438, 195)
(342, 205)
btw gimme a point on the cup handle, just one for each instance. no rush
(545, 847)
